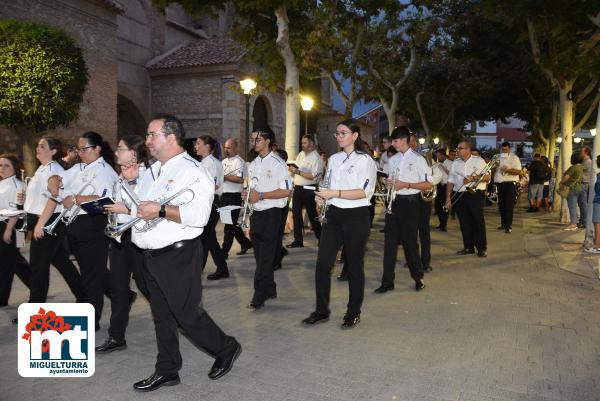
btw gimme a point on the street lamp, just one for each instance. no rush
(577, 139)
(436, 140)
(593, 132)
(559, 139)
(421, 141)
(307, 104)
(248, 86)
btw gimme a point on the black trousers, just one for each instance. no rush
(174, 280)
(402, 226)
(469, 209)
(231, 231)
(210, 243)
(506, 202)
(350, 228)
(11, 263)
(440, 201)
(51, 250)
(90, 247)
(264, 232)
(425, 232)
(304, 198)
(125, 260)
(279, 256)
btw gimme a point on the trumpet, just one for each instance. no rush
(429, 195)
(50, 228)
(324, 183)
(112, 219)
(21, 206)
(114, 231)
(390, 195)
(247, 207)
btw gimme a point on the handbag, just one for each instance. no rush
(563, 190)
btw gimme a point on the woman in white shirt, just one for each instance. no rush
(11, 260)
(47, 249)
(206, 148)
(352, 179)
(86, 232)
(125, 258)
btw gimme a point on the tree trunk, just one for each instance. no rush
(566, 133)
(292, 83)
(28, 145)
(423, 117)
(589, 224)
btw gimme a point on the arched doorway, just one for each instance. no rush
(260, 113)
(130, 120)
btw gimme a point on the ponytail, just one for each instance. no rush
(106, 151)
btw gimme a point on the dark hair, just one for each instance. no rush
(172, 125)
(212, 144)
(467, 142)
(575, 158)
(401, 133)
(95, 139)
(545, 160)
(266, 133)
(54, 144)
(138, 145)
(505, 144)
(586, 150)
(598, 161)
(282, 153)
(359, 145)
(12, 158)
(310, 137)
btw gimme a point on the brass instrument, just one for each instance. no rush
(248, 208)
(21, 206)
(472, 186)
(50, 228)
(118, 230)
(112, 218)
(429, 195)
(390, 195)
(324, 183)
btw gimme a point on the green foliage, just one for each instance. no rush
(42, 76)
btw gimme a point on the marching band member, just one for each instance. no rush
(352, 173)
(47, 249)
(443, 166)
(172, 254)
(269, 186)
(86, 181)
(506, 177)
(409, 175)
(469, 206)
(309, 167)
(125, 258)
(205, 147)
(234, 170)
(11, 260)
(284, 214)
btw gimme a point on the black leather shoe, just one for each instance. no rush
(384, 288)
(342, 277)
(295, 245)
(315, 317)
(466, 252)
(284, 252)
(508, 230)
(217, 275)
(111, 345)
(132, 297)
(223, 364)
(427, 269)
(500, 227)
(482, 254)
(255, 305)
(156, 381)
(350, 321)
(244, 250)
(419, 285)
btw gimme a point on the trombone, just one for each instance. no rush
(471, 186)
(114, 231)
(50, 228)
(247, 207)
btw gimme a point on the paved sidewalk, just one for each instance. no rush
(521, 325)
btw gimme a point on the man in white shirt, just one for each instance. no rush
(466, 170)
(308, 168)
(172, 254)
(234, 170)
(443, 165)
(506, 179)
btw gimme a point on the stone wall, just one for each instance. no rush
(93, 26)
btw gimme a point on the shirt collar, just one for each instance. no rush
(98, 160)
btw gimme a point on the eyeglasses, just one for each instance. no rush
(336, 134)
(83, 149)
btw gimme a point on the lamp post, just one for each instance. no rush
(436, 140)
(248, 86)
(307, 104)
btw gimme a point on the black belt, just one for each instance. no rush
(175, 245)
(411, 196)
(302, 186)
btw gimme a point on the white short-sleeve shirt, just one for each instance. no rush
(271, 173)
(352, 171)
(37, 189)
(462, 169)
(235, 166)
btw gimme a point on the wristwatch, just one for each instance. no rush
(163, 211)
(261, 196)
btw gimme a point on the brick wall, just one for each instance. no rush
(93, 26)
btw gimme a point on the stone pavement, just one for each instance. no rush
(521, 325)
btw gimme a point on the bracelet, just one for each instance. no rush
(339, 193)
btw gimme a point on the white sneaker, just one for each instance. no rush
(592, 250)
(571, 228)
